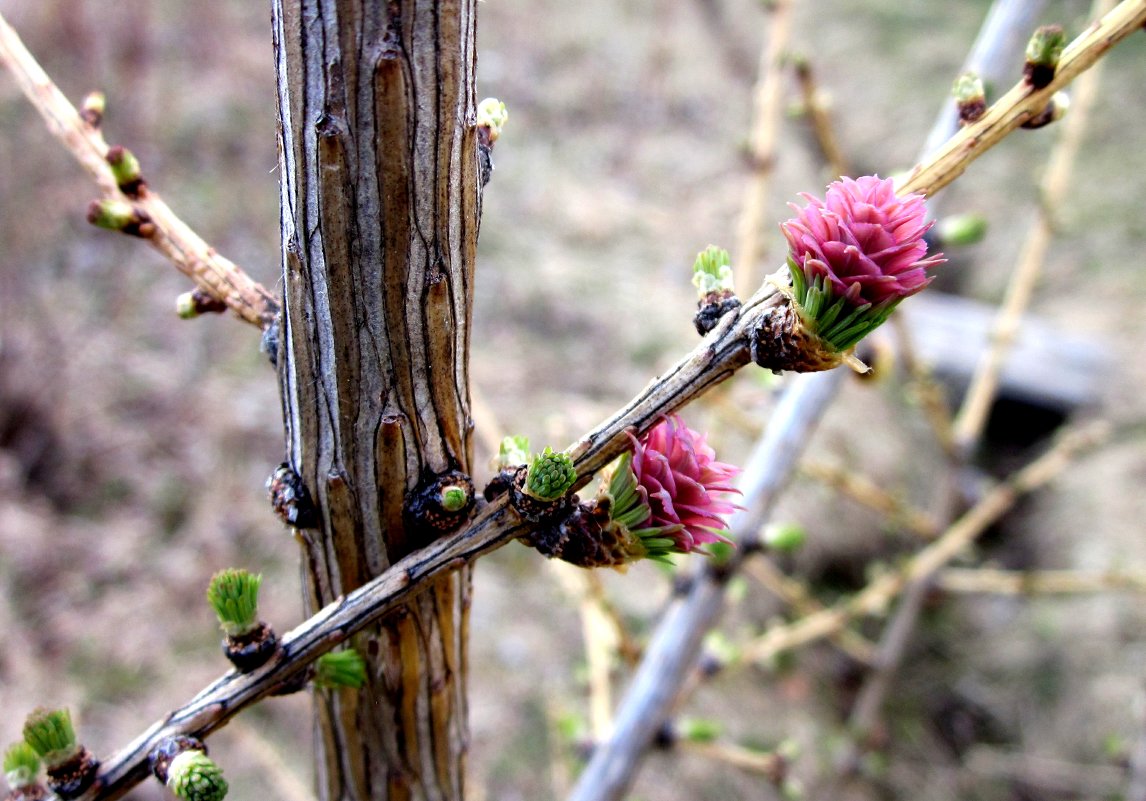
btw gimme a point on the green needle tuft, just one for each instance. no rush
(340, 669)
(50, 734)
(193, 776)
(21, 765)
(550, 476)
(234, 595)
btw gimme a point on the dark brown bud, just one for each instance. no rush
(290, 498)
(74, 776)
(251, 650)
(712, 307)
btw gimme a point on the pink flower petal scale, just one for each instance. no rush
(863, 241)
(683, 484)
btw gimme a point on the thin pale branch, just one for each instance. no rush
(1055, 185)
(878, 595)
(989, 581)
(1022, 103)
(221, 278)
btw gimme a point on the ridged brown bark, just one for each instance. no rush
(380, 201)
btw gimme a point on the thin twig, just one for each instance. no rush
(865, 491)
(972, 416)
(989, 581)
(796, 595)
(1022, 102)
(765, 763)
(766, 106)
(219, 277)
(821, 121)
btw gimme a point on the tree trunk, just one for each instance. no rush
(380, 208)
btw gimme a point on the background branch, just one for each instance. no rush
(216, 275)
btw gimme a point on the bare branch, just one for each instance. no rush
(221, 278)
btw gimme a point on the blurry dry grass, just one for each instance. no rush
(133, 446)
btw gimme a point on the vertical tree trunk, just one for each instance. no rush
(380, 213)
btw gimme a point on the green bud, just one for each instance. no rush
(785, 538)
(492, 114)
(21, 765)
(550, 475)
(50, 734)
(1043, 53)
(968, 87)
(970, 97)
(514, 450)
(114, 215)
(712, 271)
(193, 776)
(1046, 45)
(93, 107)
(186, 307)
(698, 730)
(340, 669)
(124, 167)
(961, 229)
(234, 595)
(454, 498)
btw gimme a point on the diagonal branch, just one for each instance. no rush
(219, 277)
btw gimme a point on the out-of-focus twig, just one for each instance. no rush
(990, 581)
(796, 595)
(765, 763)
(766, 108)
(877, 595)
(219, 277)
(821, 121)
(865, 491)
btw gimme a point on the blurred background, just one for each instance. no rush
(134, 446)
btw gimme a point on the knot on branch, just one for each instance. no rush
(439, 505)
(290, 498)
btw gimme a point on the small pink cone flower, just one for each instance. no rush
(853, 256)
(864, 240)
(683, 484)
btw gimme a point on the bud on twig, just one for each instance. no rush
(1043, 52)
(190, 305)
(92, 108)
(336, 669)
(182, 764)
(959, 230)
(491, 118)
(71, 767)
(290, 498)
(712, 277)
(125, 169)
(234, 595)
(439, 505)
(1055, 110)
(970, 97)
(22, 771)
(116, 215)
